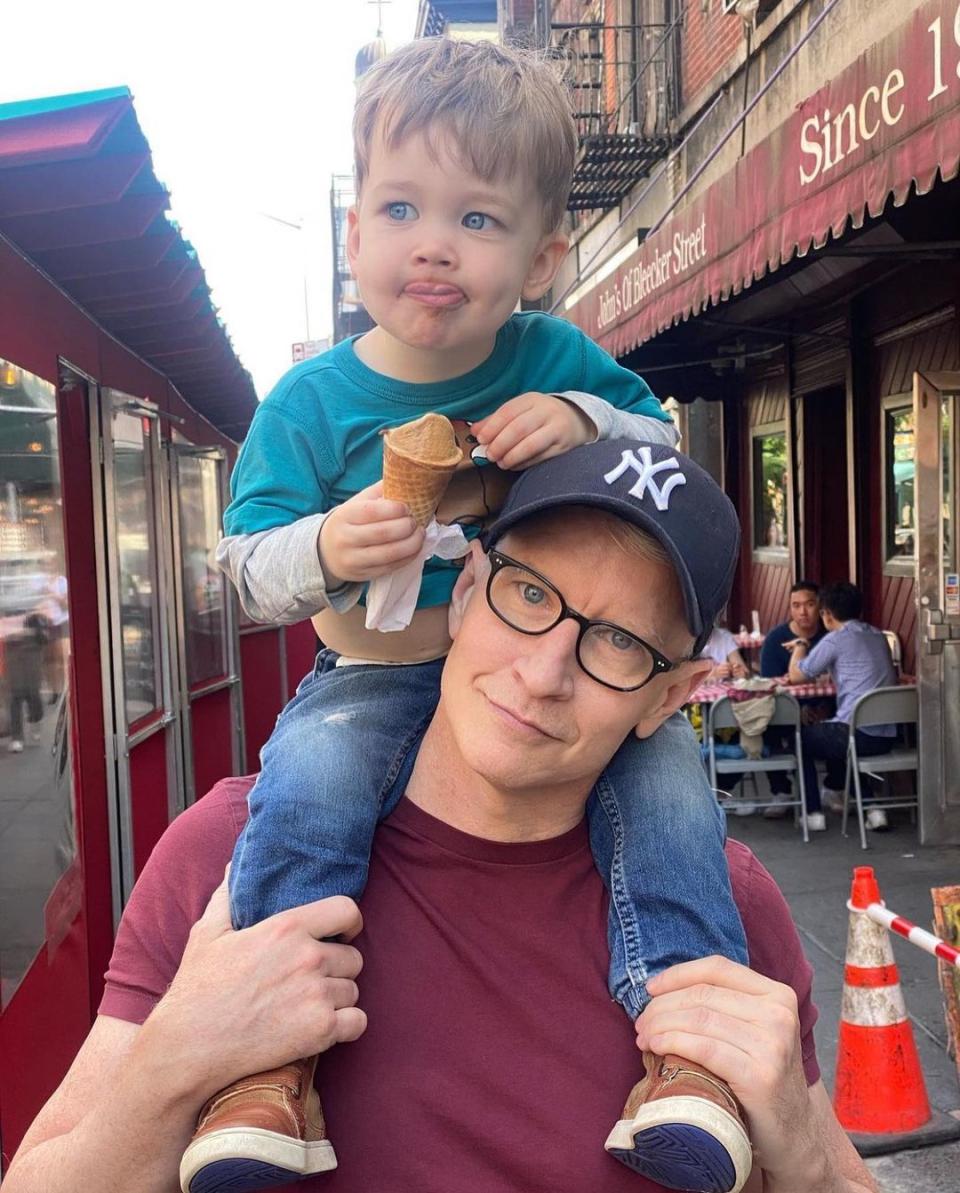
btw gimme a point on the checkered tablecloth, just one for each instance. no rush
(707, 693)
(817, 689)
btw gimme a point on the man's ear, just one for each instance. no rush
(465, 587)
(548, 258)
(353, 238)
(678, 687)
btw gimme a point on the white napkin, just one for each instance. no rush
(391, 599)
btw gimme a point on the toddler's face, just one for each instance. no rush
(442, 256)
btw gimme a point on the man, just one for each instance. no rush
(493, 1052)
(803, 622)
(858, 657)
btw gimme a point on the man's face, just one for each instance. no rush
(520, 709)
(805, 610)
(442, 256)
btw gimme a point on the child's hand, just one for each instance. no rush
(367, 536)
(532, 428)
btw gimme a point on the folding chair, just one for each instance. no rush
(885, 706)
(786, 712)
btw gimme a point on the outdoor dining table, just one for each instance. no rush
(713, 690)
(815, 689)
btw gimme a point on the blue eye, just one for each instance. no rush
(476, 221)
(401, 211)
(618, 640)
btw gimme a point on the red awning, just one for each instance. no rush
(889, 122)
(78, 195)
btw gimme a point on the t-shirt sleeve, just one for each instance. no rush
(182, 872)
(774, 944)
(820, 659)
(772, 654)
(284, 469)
(620, 387)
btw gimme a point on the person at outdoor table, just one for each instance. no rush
(858, 657)
(721, 649)
(803, 622)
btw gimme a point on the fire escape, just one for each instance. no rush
(625, 79)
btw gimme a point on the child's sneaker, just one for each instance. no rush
(263, 1131)
(683, 1127)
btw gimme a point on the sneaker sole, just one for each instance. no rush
(247, 1158)
(684, 1143)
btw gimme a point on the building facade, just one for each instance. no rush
(763, 222)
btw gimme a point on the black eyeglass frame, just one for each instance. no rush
(661, 664)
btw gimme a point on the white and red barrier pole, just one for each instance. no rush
(918, 936)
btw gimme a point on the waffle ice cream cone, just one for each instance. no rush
(419, 459)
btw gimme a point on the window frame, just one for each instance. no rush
(775, 556)
(905, 565)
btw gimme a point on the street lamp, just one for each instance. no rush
(297, 226)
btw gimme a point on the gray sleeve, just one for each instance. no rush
(277, 573)
(613, 423)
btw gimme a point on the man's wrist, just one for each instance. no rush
(177, 1083)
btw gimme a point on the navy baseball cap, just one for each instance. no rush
(656, 488)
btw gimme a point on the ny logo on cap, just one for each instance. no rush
(646, 470)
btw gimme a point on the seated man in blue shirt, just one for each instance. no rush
(858, 657)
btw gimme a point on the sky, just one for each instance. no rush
(246, 106)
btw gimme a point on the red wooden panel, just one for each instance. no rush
(148, 795)
(768, 586)
(41, 1030)
(899, 614)
(212, 733)
(262, 697)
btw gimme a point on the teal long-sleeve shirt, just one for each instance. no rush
(315, 440)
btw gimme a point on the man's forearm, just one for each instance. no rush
(131, 1138)
(815, 1173)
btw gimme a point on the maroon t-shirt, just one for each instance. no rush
(494, 1058)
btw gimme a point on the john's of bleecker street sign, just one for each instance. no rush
(890, 117)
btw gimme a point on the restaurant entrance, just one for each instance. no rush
(935, 397)
(825, 511)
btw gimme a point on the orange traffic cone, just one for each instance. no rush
(879, 1086)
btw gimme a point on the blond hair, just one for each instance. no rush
(499, 109)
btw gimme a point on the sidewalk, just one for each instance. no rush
(815, 879)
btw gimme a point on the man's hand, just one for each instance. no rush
(251, 1000)
(745, 1029)
(531, 428)
(367, 536)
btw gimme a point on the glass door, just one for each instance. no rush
(211, 711)
(142, 702)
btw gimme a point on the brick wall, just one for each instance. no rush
(710, 37)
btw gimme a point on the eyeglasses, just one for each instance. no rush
(529, 603)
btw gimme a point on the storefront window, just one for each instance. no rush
(204, 585)
(37, 822)
(136, 548)
(900, 457)
(770, 491)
